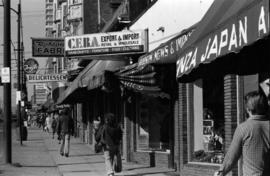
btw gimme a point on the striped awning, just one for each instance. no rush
(147, 79)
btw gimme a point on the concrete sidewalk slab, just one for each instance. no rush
(83, 161)
(30, 159)
(39, 156)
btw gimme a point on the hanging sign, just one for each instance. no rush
(44, 78)
(111, 43)
(30, 66)
(47, 47)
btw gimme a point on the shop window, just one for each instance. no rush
(207, 124)
(153, 124)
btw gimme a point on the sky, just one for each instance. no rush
(33, 18)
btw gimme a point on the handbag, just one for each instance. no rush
(117, 162)
(98, 147)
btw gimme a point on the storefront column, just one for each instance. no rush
(230, 110)
(181, 128)
(126, 134)
(176, 134)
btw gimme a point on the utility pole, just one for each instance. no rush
(19, 72)
(7, 87)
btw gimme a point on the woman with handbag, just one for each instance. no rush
(110, 138)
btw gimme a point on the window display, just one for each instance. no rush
(153, 124)
(208, 121)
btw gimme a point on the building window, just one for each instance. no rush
(207, 124)
(153, 124)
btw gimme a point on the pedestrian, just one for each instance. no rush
(110, 137)
(65, 129)
(56, 117)
(251, 139)
(98, 129)
(48, 123)
(54, 125)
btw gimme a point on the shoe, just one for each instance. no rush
(62, 154)
(66, 155)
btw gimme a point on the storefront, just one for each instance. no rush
(90, 95)
(149, 94)
(226, 57)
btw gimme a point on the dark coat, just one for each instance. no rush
(112, 135)
(65, 125)
(107, 135)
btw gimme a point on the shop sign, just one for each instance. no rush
(47, 47)
(44, 78)
(75, 12)
(242, 30)
(30, 66)
(166, 53)
(111, 43)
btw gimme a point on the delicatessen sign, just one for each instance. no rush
(242, 30)
(124, 42)
(39, 78)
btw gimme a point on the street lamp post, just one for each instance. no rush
(19, 71)
(7, 86)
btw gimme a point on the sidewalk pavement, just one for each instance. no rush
(39, 155)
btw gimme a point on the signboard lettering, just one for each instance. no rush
(167, 52)
(35, 78)
(230, 38)
(124, 42)
(47, 47)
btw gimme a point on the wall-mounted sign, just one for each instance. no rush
(111, 43)
(44, 78)
(30, 66)
(47, 47)
(5, 75)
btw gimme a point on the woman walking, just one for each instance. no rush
(110, 136)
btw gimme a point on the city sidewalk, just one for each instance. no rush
(40, 156)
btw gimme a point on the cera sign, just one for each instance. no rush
(44, 78)
(243, 30)
(124, 42)
(167, 52)
(47, 47)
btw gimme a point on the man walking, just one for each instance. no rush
(65, 129)
(251, 139)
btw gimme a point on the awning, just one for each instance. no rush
(100, 73)
(227, 27)
(87, 80)
(148, 79)
(74, 88)
(168, 51)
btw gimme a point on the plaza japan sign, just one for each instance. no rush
(111, 43)
(244, 29)
(30, 66)
(47, 47)
(44, 78)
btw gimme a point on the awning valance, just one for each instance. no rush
(227, 27)
(148, 79)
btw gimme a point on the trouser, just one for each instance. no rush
(109, 153)
(65, 143)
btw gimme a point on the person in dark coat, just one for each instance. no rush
(110, 136)
(65, 129)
